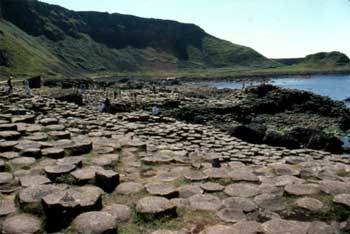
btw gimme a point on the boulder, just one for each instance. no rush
(252, 133)
(274, 138)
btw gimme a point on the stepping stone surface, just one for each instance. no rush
(95, 223)
(22, 224)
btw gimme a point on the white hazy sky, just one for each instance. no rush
(275, 28)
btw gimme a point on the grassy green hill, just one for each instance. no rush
(41, 38)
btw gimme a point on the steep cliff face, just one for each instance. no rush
(93, 41)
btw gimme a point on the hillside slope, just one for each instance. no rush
(57, 40)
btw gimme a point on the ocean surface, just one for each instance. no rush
(336, 87)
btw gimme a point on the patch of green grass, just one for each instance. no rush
(65, 179)
(181, 181)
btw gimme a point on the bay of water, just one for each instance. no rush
(336, 87)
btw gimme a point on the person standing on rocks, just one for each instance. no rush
(107, 105)
(155, 111)
(9, 84)
(27, 87)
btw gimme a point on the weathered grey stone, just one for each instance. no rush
(162, 189)
(231, 215)
(32, 180)
(242, 190)
(310, 204)
(152, 207)
(302, 189)
(239, 203)
(129, 188)
(205, 202)
(278, 226)
(7, 207)
(22, 224)
(121, 213)
(95, 223)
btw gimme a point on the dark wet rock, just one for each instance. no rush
(35, 82)
(108, 180)
(316, 139)
(274, 138)
(95, 223)
(22, 224)
(70, 97)
(252, 133)
(153, 207)
(121, 213)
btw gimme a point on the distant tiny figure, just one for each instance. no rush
(115, 94)
(82, 87)
(135, 99)
(27, 87)
(216, 163)
(107, 105)
(101, 108)
(9, 84)
(155, 111)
